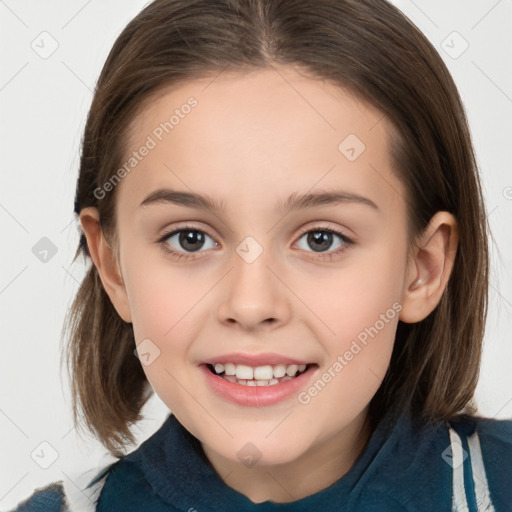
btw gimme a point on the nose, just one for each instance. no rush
(254, 297)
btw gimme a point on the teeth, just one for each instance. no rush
(259, 376)
(244, 372)
(229, 369)
(292, 370)
(263, 372)
(279, 371)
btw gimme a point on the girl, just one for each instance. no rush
(288, 245)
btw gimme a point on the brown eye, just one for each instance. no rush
(326, 243)
(322, 240)
(191, 240)
(182, 243)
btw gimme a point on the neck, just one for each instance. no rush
(316, 469)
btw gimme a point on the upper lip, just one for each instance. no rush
(254, 360)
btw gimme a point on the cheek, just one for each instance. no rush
(165, 303)
(164, 324)
(361, 308)
(356, 297)
(161, 298)
(358, 359)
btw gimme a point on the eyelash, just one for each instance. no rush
(162, 241)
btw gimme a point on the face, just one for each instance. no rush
(260, 278)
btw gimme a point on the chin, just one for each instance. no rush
(256, 450)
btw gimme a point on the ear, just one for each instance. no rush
(429, 267)
(105, 261)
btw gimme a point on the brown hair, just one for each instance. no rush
(366, 46)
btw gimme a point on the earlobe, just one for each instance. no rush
(104, 259)
(429, 268)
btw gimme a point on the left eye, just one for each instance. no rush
(321, 240)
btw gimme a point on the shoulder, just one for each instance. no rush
(492, 436)
(78, 493)
(449, 463)
(495, 437)
(487, 444)
(495, 432)
(45, 499)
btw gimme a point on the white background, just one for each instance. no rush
(43, 105)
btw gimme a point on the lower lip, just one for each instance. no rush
(256, 396)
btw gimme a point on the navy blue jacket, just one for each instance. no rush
(464, 466)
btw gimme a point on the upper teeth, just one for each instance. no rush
(267, 372)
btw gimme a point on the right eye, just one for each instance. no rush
(180, 243)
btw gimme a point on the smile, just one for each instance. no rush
(258, 386)
(268, 375)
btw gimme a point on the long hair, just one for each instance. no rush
(366, 46)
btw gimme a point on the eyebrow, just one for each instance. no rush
(294, 202)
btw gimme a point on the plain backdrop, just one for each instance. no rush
(45, 92)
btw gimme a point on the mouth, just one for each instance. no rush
(257, 380)
(265, 375)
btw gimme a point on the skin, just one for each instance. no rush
(253, 140)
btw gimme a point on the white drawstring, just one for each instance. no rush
(483, 497)
(482, 494)
(459, 502)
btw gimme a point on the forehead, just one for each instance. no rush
(258, 133)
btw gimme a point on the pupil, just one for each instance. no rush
(320, 240)
(189, 238)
